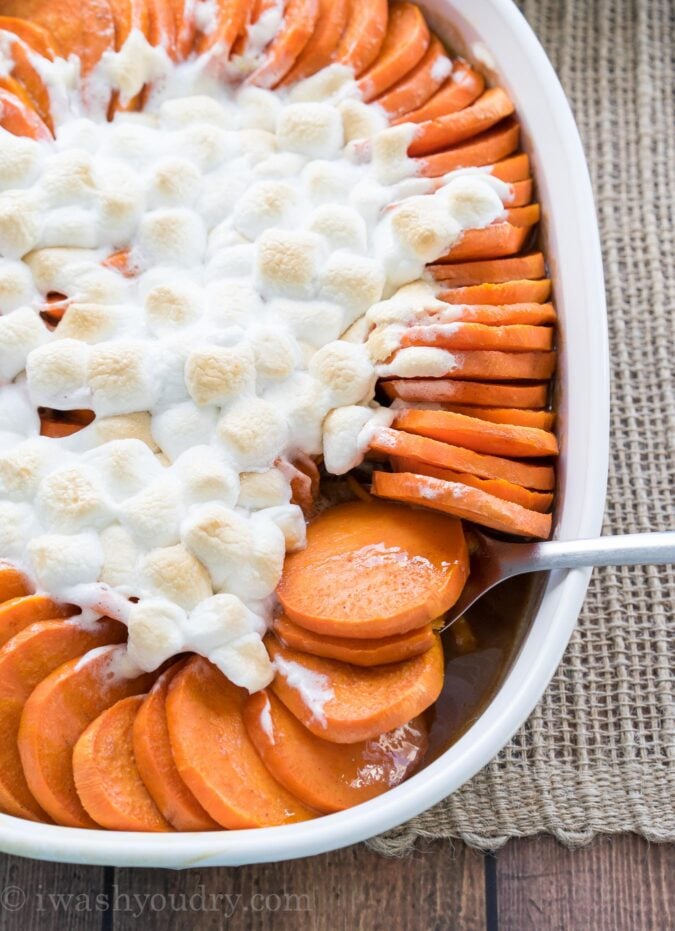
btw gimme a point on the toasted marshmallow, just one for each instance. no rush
(182, 426)
(16, 285)
(136, 426)
(125, 466)
(245, 662)
(71, 499)
(22, 468)
(68, 178)
(220, 373)
(390, 153)
(217, 621)
(353, 281)
(174, 182)
(313, 322)
(20, 223)
(153, 515)
(347, 433)
(121, 378)
(21, 331)
(199, 108)
(172, 236)
(264, 205)
(346, 370)
(258, 490)
(258, 108)
(120, 557)
(342, 226)
(206, 476)
(359, 121)
(174, 573)
(17, 526)
(63, 560)
(93, 323)
(232, 303)
(274, 351)
(287, 262)
(172, 306)
(219, 537)
(254, 431)
(291, 521)
(313, 129)
(20, 159)
(155, 632)
(57, 374)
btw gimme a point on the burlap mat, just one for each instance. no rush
(598, 754)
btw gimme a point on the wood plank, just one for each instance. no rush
(616, 884)
(35, 895)
(437, 887)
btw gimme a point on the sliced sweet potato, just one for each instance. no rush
(121, 261)
(161, 26)
(25, 661)
(491, 242)
(185, 27)
(106, 776)
(533, 500)
(26, 73)
(485, 149)
(55, 715)
(447, 390)
(462, 501)
(492, 365)
(544, 420)
(420, 84)
(457, 459)
(494, 271)
(128, 15)
(520, 193)
(215, 755)
(18, 613)
(231, 18)
(13, 583)
(20, 119)
(156, 765)
(515, 168)
(496, 314)
(325, 775)
(405, 42)
(363, 36)
(370, 570)
(318, 52)
(345, 704)
(453, 128)
(38, 38)
(464, 85)
(285, 48)
(516, 338)
(361, 652)
(482, 436)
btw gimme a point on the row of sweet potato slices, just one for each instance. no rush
(85, 745)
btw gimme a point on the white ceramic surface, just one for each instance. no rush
(494, 33)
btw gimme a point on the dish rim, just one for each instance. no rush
(573, 242)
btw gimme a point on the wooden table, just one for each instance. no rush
(616, 884)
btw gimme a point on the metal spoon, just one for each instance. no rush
(493, 561)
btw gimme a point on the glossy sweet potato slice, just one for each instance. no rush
(128, 15)
(330, 776)
(38, 38)
(462, 501)
(493, 271)
(405, 42)
(25, 661)
(418, 86)
(485, 149)
(57, 713)
(161, 26)
(453, 128)
(520, 193)
(215, 755)
(530, 314)
(464, 85)
(457, 459)
(533, 500)
(27, 74)
(515, 338)
(18, 118)
(495, 241)
(544, 420)
(514, 168)
(359, 652)
(106, 775)
(156, 765)
(231, 17)
(285, 48)
(492, 365)
(13, 583)
(483, 436)
(318, 52)
(18, 613)
(345, 704)
(447, 390)
(364, 34)
(372, 570)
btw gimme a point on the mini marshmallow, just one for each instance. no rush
(335, 80)
(94, 323)
(219, 538)
(257, 108)
(275, 352)
(287, 261)
(290, 520)
(198, 108)
(121, 377)
(206, 476)
(360, 121)
(16, 285)
(21, 331)
(137, 63)
(313, 129)
(170, 307)
(174, 573)
(208, 146)
(171, 236)
(68, 178)
(313, 322)
(303, 399)
(353, 281)
(264, 205)
(17, 526)
(347, 433)
(254, 431)
(232, 303)
(155, 632)
(120, 557)
(220, 373)
(136, 426)
(20, 223)
(471, 200)
(71, 499)
(217, 621)
(57, 374)
(70, 226)
(60, 561)
(178, 428)
(390, 153)
(174, 182)
(125, 466)
(118, 214)
(53, 268)
(153, 515)
(22, 468)
(245, 662)
(342, 226)
(19, 160)
(258, 490)
(236, 261)
(346, 370)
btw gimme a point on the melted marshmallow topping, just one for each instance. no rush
(273, 238)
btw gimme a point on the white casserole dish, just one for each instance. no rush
(494, 34)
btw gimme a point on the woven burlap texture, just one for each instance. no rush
(598, 753)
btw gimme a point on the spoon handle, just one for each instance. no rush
(632, 549)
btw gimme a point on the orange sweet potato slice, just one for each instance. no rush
(106, 775)
(370, 570)
(161, 26)
(54, 717)
(318, 52)
(156, 765)
(451, 129)
(482, 436)
(122, 262)
(544, 420)
(512, 169)
(13, 583)
(520, 193)
(18, 118)
(405, 42)
(215, 755)
(363, 35)
(457, 459)
(519, 267)
(27, 74)
(345, 704)
(361, 652)
(129, 15)
(489, 147)
(516, 338)
(232, 16)
(18, 613)
(418, 86)
(325, 775)
(492, 365)
(185, 27)
(38, 38)
(490, 242)
(462, 501)
(464, 85)
(447, 390)
(495, 314)
(25, 661)
(300, 17)
(533, 500)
